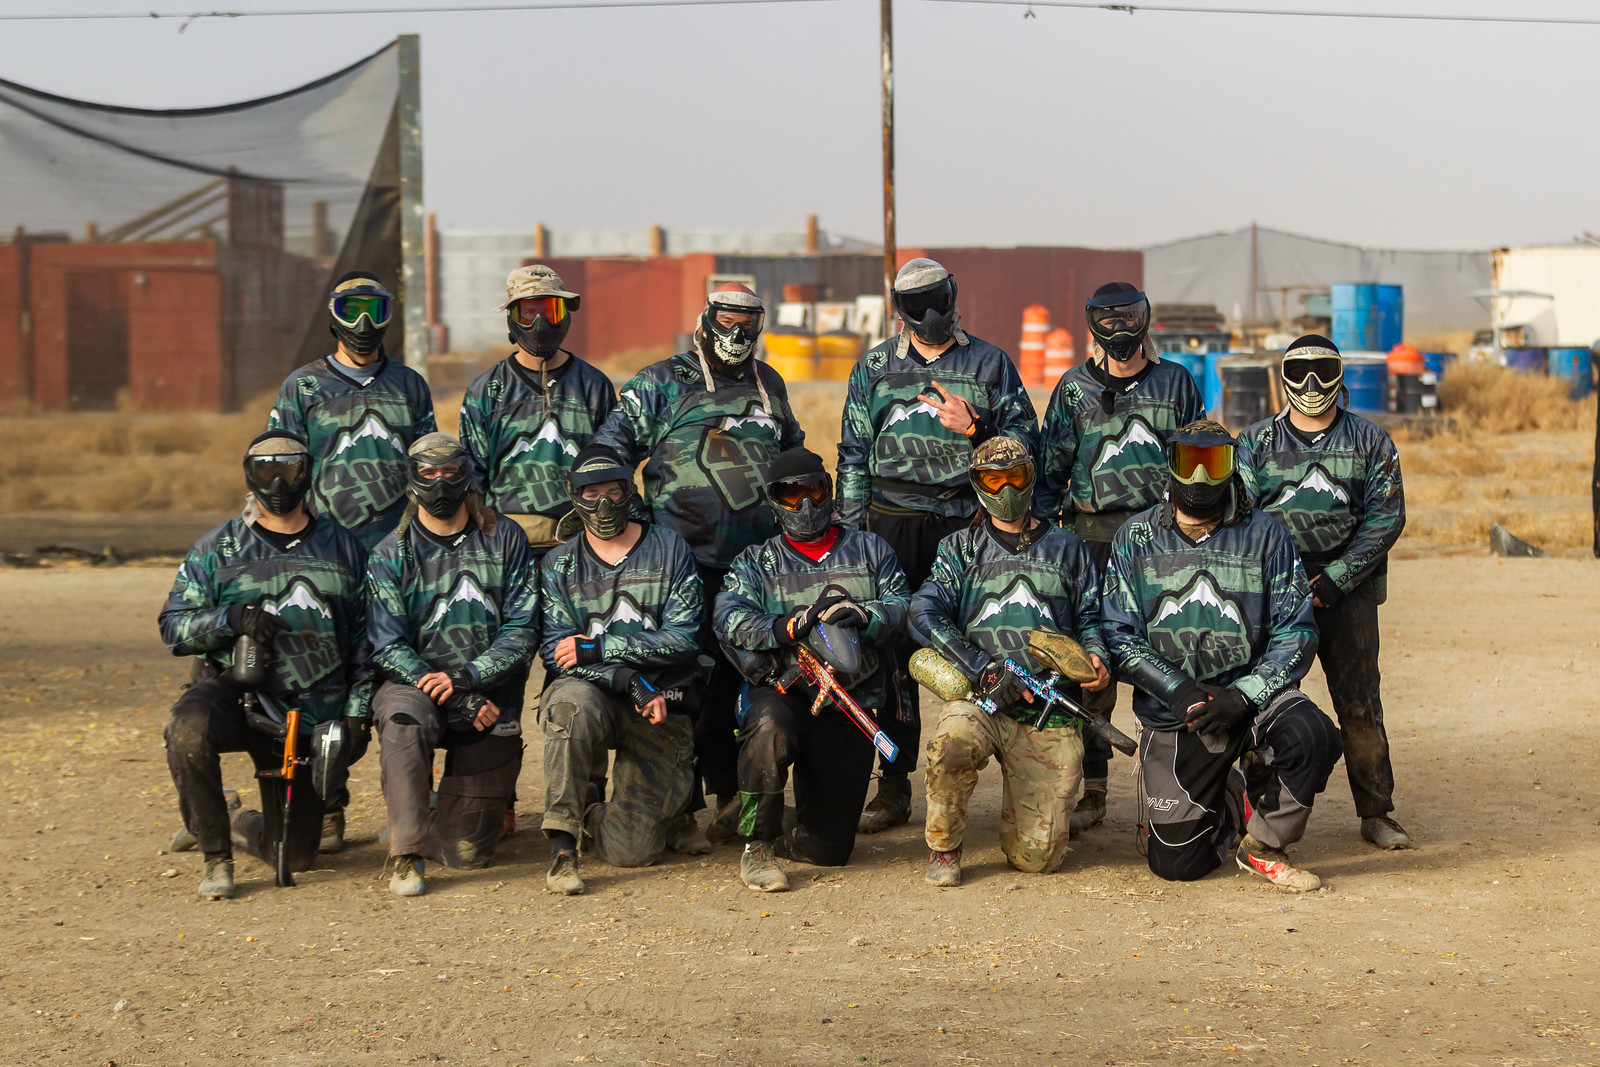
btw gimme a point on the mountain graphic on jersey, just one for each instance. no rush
(1018, 607)
(1200, 629)
(460, 601)
(1137, 432)
(1315, 490)
(1129, 469)
(1316, 509)
(363, 475)
(465, 618)
(300, 597)
(757, 418)
(308, 653)
(625, 618)
(906, 411)
(546, 446)
(372, 429)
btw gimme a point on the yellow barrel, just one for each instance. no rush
(792, 353)
(837, 352)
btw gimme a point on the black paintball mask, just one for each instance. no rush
(1119, 319)
(1313, 374)
(439, 474)
(601, 487)
(277, 469)
(360, 309)
(801, 495)
(925, 299)
(1200, 468)
(538, 310)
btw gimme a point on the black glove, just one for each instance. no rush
(255, 620)
(636, 687)
(359, 732)
(1188, 695)
(588, 650)
(1223, 711)
(1326, 590)
(999, 685)
(461, 679)
(796, 626)
(847, 613)
(461, 709)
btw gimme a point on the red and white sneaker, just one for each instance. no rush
(1273, 865)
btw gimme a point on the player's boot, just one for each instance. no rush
(1091, 810)
(332, 832)
(216, 881)
(685, 836)
(944, 868)
(890, 808)
(183, 841)
(759, 869)
(724, 825)
(1273, 865)
(407, 880)
(563, 874)
(1385, 832)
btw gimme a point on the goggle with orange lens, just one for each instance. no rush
(793, 493)
(553, 308)
(1191, 464)
(993, 481)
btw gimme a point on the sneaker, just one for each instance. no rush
(407, 880)
(216, 881)
(684, 835)
(1385, 832)
(563, 874)
(1273, 865)
(724, 824)
(944, 868)
(759, 869)
(890, 808)
(332, 832)
(183, 841)
(1090, 812)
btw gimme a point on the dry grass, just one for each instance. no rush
(1483, 396)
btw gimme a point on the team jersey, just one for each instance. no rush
(521, 449)
(982, 599)
(645, 610)
(708, 450)
(358, 424)
(1231, 609)
(469, 600)
(889, 432)
(1094, 461)
(1340, 495)
(769, 580)
(320, 665)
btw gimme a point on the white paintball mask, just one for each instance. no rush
(1313, 377)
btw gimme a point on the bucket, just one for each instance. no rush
(1576, 364)
(1528, 360)
(1367, 378)
(1193, 362)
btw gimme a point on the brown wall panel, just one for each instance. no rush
(13, 394)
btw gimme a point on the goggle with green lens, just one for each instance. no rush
(348, 309)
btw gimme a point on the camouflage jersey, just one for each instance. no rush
(769, 580)
(521, 451)
(1097, 462)
(1339, 495)
(708, 451)
(321, 664)
(888, 433)
(1232, 609)
(358, 424)
(466, 600)
(982, 599)
(646, 611)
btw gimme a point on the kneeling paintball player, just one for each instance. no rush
(1208, 614)
(993, 585)
(622, 604)
(808, 616)
(453, 613)
(291, 584)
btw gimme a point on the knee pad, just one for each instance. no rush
(486, 769)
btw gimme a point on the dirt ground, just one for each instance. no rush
(1479, 947)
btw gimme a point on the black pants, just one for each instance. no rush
(716, 743)
(832, 763)
(1096, 749)
(1348, 651)
(208, 720)
(915, 540)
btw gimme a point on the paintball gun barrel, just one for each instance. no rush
(827, 684)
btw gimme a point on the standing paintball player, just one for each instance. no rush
(1105, 434)
(622, 608)
(292, 582)
(777, 593)
(991, 586)
(917, 405)
(1333, 479)
(452, 608)
(709, 421)
(1208, 614)
(526, 418)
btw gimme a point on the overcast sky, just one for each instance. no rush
(1075, 127)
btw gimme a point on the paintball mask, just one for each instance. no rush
(601, 488)
(730, 324)
(277, 469)
(1313, 374)
(439, 474)
(801, 494)
(925, 299)
(538, 310)
(1003, 478)
(361, 309)
(1200, 466)
(1119, 318)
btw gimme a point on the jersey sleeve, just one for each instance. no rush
(677, 638)
(288, 410)
(1191, 406)
(1382, 520)
(358, 672)
(1123, 623)
(1292, 631)
(1244, 458)
(1058, 451)
(1086, 591)
(934, 611)
(423, 421)
(475, 437)
(638, 422)
(192, 622)
(1013, 415)
(388, 625)
(739, 614)
(854, 490)
(517, 639)
(886, 613)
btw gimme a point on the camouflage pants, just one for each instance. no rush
(1042, 772)
(651, 780)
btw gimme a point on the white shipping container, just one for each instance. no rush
(1552, 294)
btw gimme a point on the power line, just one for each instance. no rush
(437, 9)
(1085, 5)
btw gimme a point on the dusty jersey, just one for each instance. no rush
(358, 424)
(1094, 461)
(1231, 609)
(982, 599)
(889, 432)
(1340, 495)
(708, 451)
(521, 449)
(320, 665)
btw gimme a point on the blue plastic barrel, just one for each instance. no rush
(1211, 383)
(1576, 364)
(1367, 317)
(1528, 360)
(1193, 362)
(1391, 317)
(1367, 378)
(1438, 361)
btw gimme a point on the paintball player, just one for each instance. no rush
(292, 582)
(526, 418)
(776, 594)
(453, 611)
(991, 585)
(916, 407)
(1208, 614)
(1105, 434)
(709, 421)
(1333, 479)
(622, 607)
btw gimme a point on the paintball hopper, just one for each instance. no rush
(1061, 654)
(252, 662)
(940, 675)
(840, 648)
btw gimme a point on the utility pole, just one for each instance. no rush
(886, 20)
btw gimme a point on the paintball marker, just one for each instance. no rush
(811, 667)
(250, 670)
(1062, 656)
